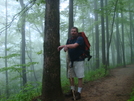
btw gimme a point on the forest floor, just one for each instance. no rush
(115, 87)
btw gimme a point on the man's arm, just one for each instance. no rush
(68, 46)
(72, 45)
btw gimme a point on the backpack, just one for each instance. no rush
(86, 53)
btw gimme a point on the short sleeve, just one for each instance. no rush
(80, 40)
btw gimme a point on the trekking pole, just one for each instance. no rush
(73, 91)
(69, 72)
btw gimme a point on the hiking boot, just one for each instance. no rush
(69, 94)
(77, 96)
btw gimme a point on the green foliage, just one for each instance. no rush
(95, 74)
(65, 83)
(34, 19)
(132, 96)
(90, 76)
(15, 68)
(38, 2)
(8, 49)
(10, 56)
(26, 94)
(29, 91)
(40, 52)
(81, 2)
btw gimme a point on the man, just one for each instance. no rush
(75, 48)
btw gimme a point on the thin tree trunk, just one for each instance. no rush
(7, 91)
(29, 54)
(23, 44)
(131, 38)
(107, 33)
(113, 52)
(96, 36)
(118, 41)
(123, 46)
(103, 34)
(112, 26)
(71, 21)
(83, 20)
(71, 24)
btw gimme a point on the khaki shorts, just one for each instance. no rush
(77, 70)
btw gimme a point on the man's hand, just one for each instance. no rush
(61, 47)
(65, 48)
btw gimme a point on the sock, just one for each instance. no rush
(79, 89)
(72, 87)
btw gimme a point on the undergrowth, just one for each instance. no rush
(89, 76)
(131, 95)
(25, 94)
(96, 74)
(30, 91)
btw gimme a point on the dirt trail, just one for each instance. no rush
(116, 87)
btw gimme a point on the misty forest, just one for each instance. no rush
(31, 31)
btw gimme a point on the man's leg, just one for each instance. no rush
(71, 80)
(72, 87)
(80, 82)
(78, 93)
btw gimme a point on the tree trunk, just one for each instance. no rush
(71, 24)
(23, 44)
(51, 84)
(71, 21)
(131, 38)
(103, 34)
(123, 46)
(118, 41)
(107, 33)
(113, 52)
(7, 91)
(97, 36)
(29, 54)
(111, 34)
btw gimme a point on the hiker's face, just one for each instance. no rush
(74, 33)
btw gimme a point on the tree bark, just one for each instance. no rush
(96, 37)
(23, 44)
(123, 46)
(51, 84)
(111, 34)
(107, 34)
(131, 36)
(118, 41)
(71, 22)
(103, 34)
